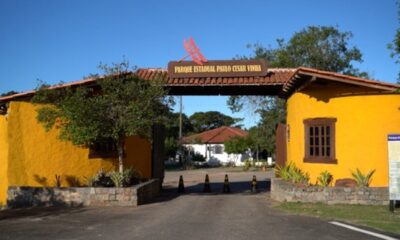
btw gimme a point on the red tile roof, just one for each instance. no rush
(296, 81)
(287, 78)
(218, 135)
(31, 92)
(275, 76)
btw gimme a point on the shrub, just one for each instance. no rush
(284, 172)
(131, 176)
(261, 161)
(102, 179)
(325, 178)
(91, 181)
(117, 178)
(73, 181)
(128, 177)
(291, 173)
(125, 178)
(57, 180)
(197, 157)
(361, 179)
(247, 165)
(230, 164)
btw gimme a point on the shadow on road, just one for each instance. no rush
(244, 188)
(38, 212)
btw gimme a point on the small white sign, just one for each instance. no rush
(394, 166)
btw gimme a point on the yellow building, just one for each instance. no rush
(339, 123)
(334, 122)
(30, 156)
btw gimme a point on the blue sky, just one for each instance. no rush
(65, 40)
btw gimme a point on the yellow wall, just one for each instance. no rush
(3, 160)
(36, 156)
(363, 121)
(138, 154)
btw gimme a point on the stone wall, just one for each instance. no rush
(82, 196)
(285, 191)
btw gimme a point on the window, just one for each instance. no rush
(320, 140)
(216, 149)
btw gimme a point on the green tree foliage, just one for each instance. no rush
(120, 105)
(272, 111)
(394, 46)
(3, 107)
(9, 93)
(270, 117)
(237, 145)
(171, 122)
(321, 47)
(203, 121)
(197, 122)
(262, 136)
(171, 145)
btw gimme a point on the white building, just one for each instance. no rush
(210, 144)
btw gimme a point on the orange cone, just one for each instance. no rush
(207, 187)
(254, 184)
(181, 186)
(226, 188)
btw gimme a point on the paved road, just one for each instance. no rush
(239, 181)
(194, 215)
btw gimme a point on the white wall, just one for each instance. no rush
(214, 158)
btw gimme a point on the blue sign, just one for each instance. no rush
(394, 166)
(394, 137)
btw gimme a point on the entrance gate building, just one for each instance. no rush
(335, 122)
(328, 113)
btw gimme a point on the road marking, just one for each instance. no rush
(381, 236)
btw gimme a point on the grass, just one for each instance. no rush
(377, 217)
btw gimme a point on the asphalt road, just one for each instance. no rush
(194, 215)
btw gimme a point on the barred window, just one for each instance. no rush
(218, 149)
(320, 140)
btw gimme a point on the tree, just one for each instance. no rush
(270, 117)
(203, 121)
(171, 122)
(394, 46)
(237, 145)
(120, 105)
(262, 136)
(272, 111)
(321, 47)
(170, 146)
(9, 93)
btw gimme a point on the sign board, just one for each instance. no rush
(217, 68)
(394, 166)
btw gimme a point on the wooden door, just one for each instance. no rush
(158, 152)
(280, 144)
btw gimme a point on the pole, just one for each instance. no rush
(180, 119)
(180, 130)
(392, 205)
